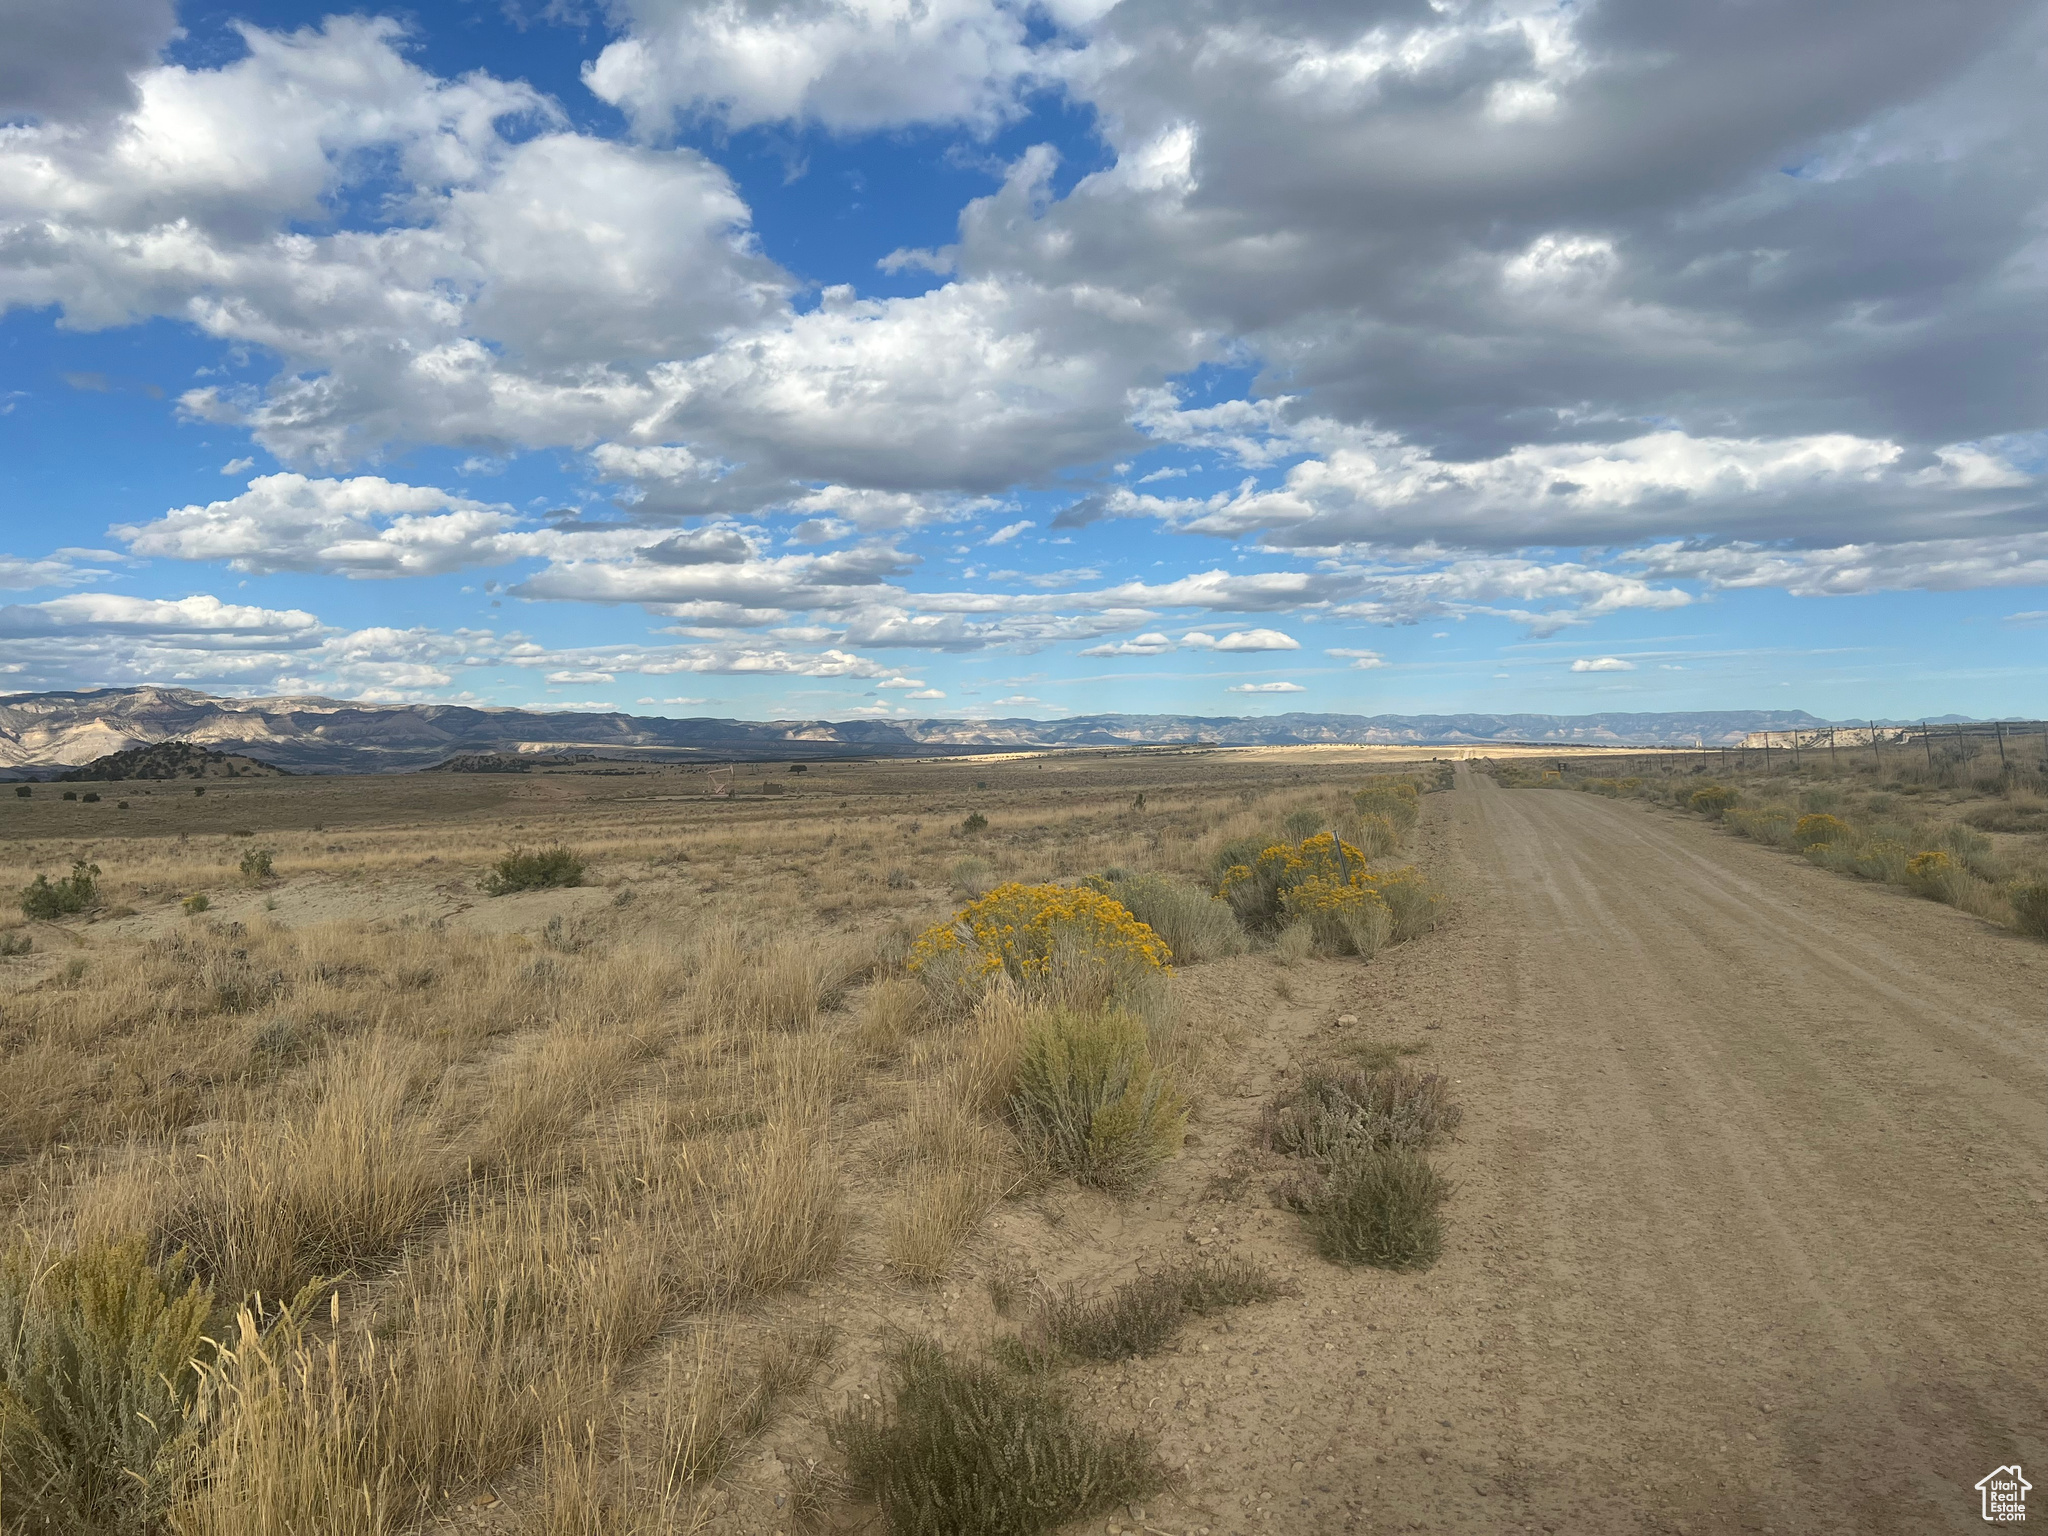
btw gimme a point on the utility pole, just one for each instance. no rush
(1873, 747)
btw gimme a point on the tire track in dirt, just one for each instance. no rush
(1780, 1142)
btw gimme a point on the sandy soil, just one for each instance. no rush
(1749, 1233)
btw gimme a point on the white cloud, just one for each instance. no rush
(925, 693)
(1940, 565)
(1253, 640)
(201, 618)
(1137, 645)
(365, 526)
(581, 677)
(1266, 688)
(1009, 531)
(65, 568)
(1361, 661)
(238, 466)
(1602, 664)
(851, 65)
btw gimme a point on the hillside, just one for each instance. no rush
(171, 760)
(315, 735)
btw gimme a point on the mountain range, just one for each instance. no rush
(45, 731)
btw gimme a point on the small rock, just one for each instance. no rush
(485, 1499)
(1345, 1020)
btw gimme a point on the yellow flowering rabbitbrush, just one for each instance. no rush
(1045, 938)
(1326, 883)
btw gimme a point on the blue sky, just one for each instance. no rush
(839, 357)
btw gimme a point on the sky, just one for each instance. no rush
(915, 358)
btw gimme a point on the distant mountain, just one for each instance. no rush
(40, 731)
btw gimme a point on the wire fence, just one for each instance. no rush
(1950, 753)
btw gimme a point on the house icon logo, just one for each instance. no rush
(2005, 1496)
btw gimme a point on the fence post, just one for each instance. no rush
(1999, 726)
(1873, 747)
(1834, 762)
(1927, 742)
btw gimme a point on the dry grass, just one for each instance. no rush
(551, 1155)
(269, 1208)
(958, 1165)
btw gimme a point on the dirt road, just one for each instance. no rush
(1752, 1226)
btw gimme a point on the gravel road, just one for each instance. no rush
(1753, 1225)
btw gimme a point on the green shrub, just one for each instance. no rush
(15, 944)
(975, 822)
(1333, 1111)
(1088, 1094)
(959, 1447)
(1373, 1205)
(2030, 908)
(1712, 800)
(1881, 858)
(70, 794)
(1301, 824)
(527, 870)
(46, 899)
(1770, 824)
(973, 876)
(92, 797)
(100, 1365)
(1376, 836)
(256, 864)
(1142, 1316)
(1194, 925)
(22, 791)
(1393, 796)
(194, 905)
(1969, 848)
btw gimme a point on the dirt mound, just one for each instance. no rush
(172, 760)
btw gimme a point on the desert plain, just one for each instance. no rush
(606, 1207)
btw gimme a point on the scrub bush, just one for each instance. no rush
(526, 870)
(1194, 925)
(1090, 1099)
(954, 1446)
(100, 1367)
(46, 899)
(1374, 1205)
(1058, 943)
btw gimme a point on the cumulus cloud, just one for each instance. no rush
(364, 526)
(1266, 688)
(192, 619)
(63, 568)
(1138, 645)
(76, 62)
(1241, 640)
(1554, 313)
(845, 64)
(1361, 661)
(1602, 664)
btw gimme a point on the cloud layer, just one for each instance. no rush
(1368, 314)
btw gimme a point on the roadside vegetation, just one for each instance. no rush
(1947, 821)
(333, 1206)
